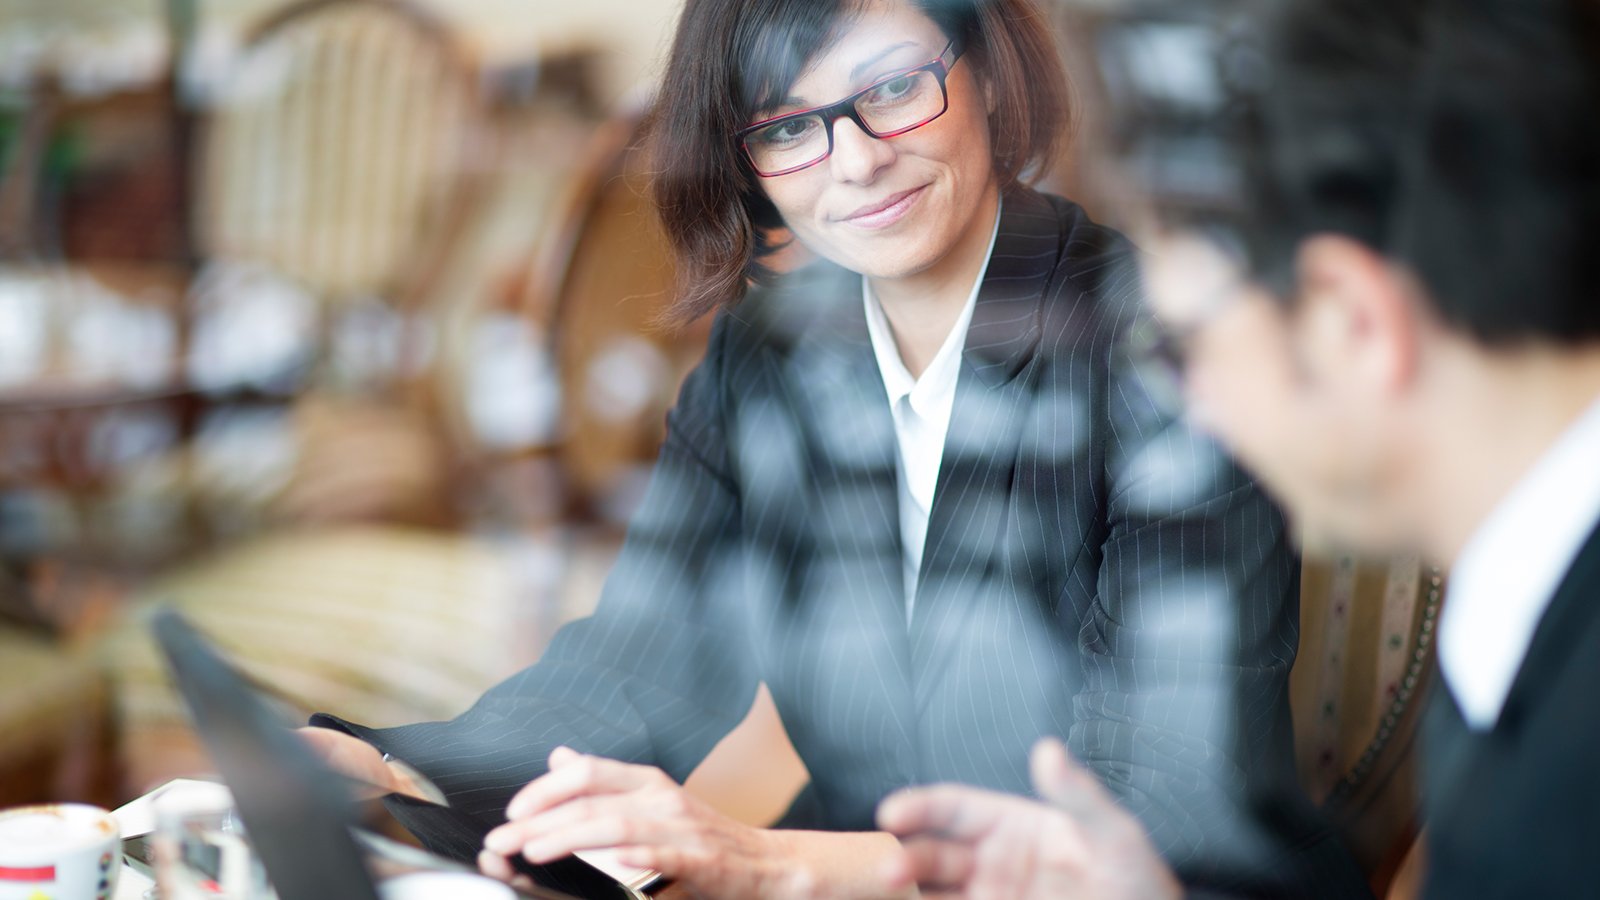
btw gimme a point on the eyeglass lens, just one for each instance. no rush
(895, 105)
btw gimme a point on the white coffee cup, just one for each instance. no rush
(65, 851)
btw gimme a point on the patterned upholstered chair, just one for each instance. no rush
(1358, 690)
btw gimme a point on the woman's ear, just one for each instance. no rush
(1357, 321)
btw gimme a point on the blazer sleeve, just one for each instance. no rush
(653, 676)
(1186, 652)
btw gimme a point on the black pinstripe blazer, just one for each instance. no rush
(1514, 811)
(1092, 570)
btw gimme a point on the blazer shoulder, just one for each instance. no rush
(820, 298)
(1094, 290)
(1094, 256)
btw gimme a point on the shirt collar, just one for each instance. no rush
(1512, 566)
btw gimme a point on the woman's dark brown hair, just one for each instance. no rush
(732, 59)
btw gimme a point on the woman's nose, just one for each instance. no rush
(858, 157)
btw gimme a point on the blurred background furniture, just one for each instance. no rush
(594, 292)
(334, 154)
(53, 712)
(330, 322)
(385, 624)
(397, 411)
(332, 178)
(1358, 690)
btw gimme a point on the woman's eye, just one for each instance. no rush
(895, 89)
(790, 132)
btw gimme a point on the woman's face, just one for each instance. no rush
(896, 207)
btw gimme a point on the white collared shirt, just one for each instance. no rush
(1510, 569)
(921, 409)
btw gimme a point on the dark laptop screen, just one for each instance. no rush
(298, 814)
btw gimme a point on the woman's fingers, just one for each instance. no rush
(590, 803)
(573, 775)
(495, 866)
(612, 829)
(601, 820)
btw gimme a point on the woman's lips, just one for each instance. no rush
(886, 213)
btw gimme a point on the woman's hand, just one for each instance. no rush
(588, 802)
(966, 842)
(352, 757)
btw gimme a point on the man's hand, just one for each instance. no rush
(965, 842)
(589, 802)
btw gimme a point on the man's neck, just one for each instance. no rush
(1495, 415)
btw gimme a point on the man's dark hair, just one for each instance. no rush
(1460, 137)
(732, 59)
(1500, 212)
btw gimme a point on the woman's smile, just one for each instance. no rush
(886, 212)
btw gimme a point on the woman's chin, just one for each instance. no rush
(887, 265)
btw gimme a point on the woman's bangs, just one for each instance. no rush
(774, 43)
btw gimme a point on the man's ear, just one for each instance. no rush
(1356, 317)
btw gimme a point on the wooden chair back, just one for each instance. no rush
(600, 288)
(1358, 691)
(335, 147)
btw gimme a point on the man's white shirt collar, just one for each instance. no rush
(1511, 568)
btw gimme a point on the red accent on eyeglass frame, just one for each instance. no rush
(846, 109)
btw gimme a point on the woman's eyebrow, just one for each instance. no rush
(855, 75)
(868, 63)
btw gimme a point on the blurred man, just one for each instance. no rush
(1395, 322)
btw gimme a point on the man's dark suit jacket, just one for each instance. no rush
(1092, 570)
(1515, 811)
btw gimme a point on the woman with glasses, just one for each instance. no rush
(912, 488)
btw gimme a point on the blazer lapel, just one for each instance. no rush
(961, 561)
(1462, 762)
(833, 383)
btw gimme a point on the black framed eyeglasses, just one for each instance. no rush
(892, 105)
(1163, 347)
(1167, 346)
